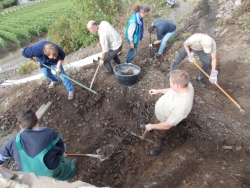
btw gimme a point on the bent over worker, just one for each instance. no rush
(203, 45)
(53, 56)
(171, 108)
(38, 149)
(111, 43)
(164, 29)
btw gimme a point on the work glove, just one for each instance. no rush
(58, 71)
(101, 62)
(191, 57)
(213, 76)
(151, 45)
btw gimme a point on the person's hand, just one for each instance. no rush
(101, 62)
(151, 45)
(64, 154)
(152, 91)
(58, 70)
(132, 45)
(191, 57)
(149, 127)
(213, 76)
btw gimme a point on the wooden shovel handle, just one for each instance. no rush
(94, 77)
(222, 90)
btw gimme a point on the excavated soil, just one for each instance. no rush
(210, 148)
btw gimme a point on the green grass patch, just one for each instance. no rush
(172, 40)
(4, 133)
(27, 68)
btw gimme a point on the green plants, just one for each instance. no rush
(220, 22)
(27, 68)
(4, 133)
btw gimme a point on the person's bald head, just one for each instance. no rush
(92, 26)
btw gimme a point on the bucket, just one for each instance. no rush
(126, 74)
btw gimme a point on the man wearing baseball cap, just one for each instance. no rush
(203, 45)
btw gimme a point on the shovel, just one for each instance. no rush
(142, 137)
(149, 49)
(242, 111)
(94, 77)
(103, 153)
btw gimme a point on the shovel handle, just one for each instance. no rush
(144, 134)
(84, 155)
(222, 90)
(94, 77)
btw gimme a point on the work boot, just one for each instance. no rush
(199, 82)
(52, 84)
(71, 95)
(74, 162)
(107, 72)
(155, 151)
(157, 56)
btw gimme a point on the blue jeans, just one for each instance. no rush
(131, 54)
(203, 58)
(66, 82)
(164, 41)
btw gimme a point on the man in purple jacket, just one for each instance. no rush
(53, 56)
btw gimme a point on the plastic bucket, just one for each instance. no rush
(124, 79)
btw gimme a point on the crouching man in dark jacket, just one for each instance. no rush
(38, 149)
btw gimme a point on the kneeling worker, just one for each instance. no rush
(38, 149)
(171, 108)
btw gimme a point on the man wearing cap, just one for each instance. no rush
(164, 29)
(111, 43)
(202, 44)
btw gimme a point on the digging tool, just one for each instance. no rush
(149, 49)
(142, 137)
(94, 77)
(101, 153)
(78, 83)
(242, 111)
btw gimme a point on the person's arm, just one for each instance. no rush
(156, 42)
(213, 62)
(5, 152)
(157, 91)
(104, 54)
(131, 31)
(32, 60)
(159, 126)
(186, 48)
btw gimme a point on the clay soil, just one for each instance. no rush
(210, 148)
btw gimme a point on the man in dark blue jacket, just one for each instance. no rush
(53, 56)
(164, 29)
(38, 149)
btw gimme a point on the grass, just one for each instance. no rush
(4, 133)
(5, 102)
(183, 18)
(220, 22)
(172, 40)
(27, 68)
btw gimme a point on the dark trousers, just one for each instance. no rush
(112, 54)
(159, 134)
(203, 58)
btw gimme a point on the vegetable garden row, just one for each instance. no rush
(34, 19)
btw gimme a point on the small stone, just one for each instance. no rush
(65, 121)
(227, 147)
(238, 148)
(75, 105)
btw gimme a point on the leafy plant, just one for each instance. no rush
(27, 68)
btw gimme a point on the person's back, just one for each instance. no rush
(108, 34)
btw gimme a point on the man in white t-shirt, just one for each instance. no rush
(111, 43)
(172, 107)
(202, 45)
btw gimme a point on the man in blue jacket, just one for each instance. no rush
(38, 149)
(53, 56)
(164, 29)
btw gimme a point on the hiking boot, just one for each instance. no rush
(52, 84)
(71, 95)
(74, 162)
(155, 151)
(199, 82)
(157, 56)
(107, 72)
